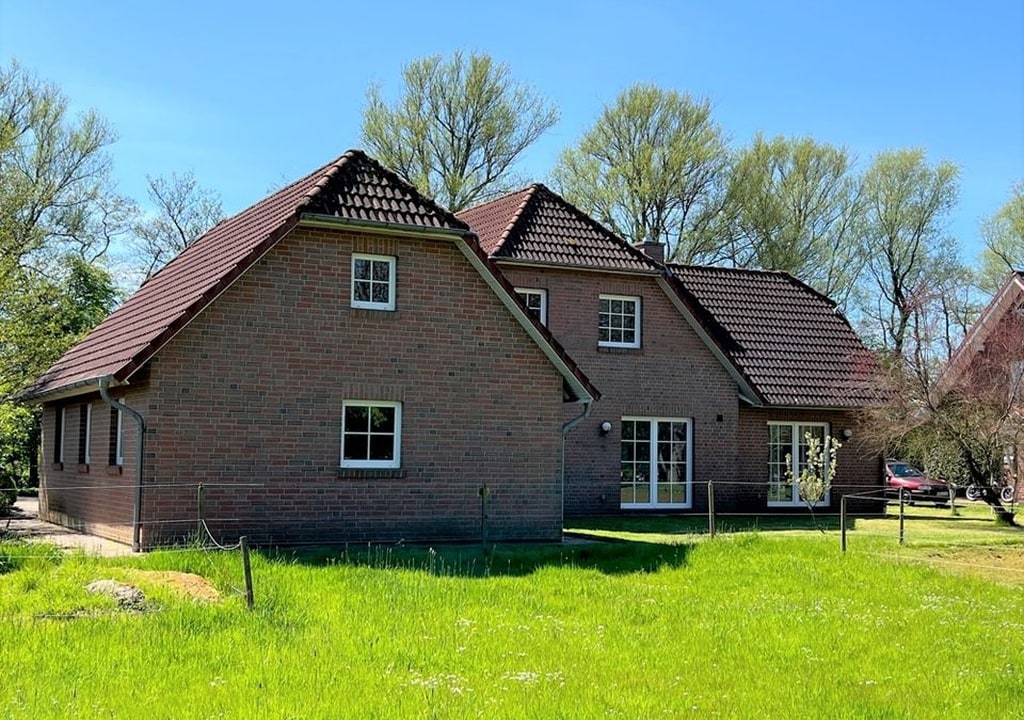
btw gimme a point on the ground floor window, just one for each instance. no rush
(371, 433)
(787, 456)
(85, 434)
(656, 463)
(116, 443)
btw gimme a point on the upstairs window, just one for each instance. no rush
(371, 434)
(536, 302)
(619, 321)
(373, 282)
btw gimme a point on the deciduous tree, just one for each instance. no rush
(457, 128)
(184, 210)
(910, 258)
(653, 168)
(795, 205)
(59, 213)
(1004, 242)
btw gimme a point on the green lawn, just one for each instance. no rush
(775, 623)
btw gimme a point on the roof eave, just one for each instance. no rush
(318, 220)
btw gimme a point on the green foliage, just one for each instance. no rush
(912, 264)
(18, 440)
(457, 128)
(796, 203)
(1004, 242)
(56, 192)
(653, 168)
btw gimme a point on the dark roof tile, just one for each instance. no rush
(790, 342)
(537, 225)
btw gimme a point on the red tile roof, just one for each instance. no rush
(354, 187)
(536, 225)
(790, 342)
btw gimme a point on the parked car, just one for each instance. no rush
(912, 484)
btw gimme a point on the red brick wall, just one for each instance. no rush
(248, 400)
(858, 467)
(672, 374)
(97, 497)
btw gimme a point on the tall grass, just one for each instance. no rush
(745, 626)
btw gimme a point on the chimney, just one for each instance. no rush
(652, 249)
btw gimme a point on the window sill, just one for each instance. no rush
(370, 473)
(83, 468)
(114, 470)
(618, 349)
(58, 466)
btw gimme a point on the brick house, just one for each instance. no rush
(332, 363)
(707, 374)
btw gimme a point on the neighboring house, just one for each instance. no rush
(989, 365)
(340, 361)
(707, 374)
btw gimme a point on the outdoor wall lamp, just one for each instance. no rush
(606, 427)
(847, 433)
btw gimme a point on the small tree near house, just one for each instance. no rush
(817, 471)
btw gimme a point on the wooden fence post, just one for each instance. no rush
(199, 514)
(247, 571)
(711, 508)
(901, 517)
(842, 523)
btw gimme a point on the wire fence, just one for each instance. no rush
(718, 507)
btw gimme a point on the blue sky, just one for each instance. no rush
(251, 95)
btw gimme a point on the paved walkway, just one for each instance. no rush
(26, 525)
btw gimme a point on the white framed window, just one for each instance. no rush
(59, 434)
(618, 322)
(657, 463)
(373, 282)
(85, 434)
(787, 456)
(116, 436)
(119, 444)
(371, 434)
(536, 301)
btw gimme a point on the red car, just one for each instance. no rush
(913, 484)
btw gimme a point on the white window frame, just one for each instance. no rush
(87, 455)
(798, 429)
(63, 433)
(119, 444)
(396, 461)
(653, 463)
(370, 304)
(525, 293)
(636, 321)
